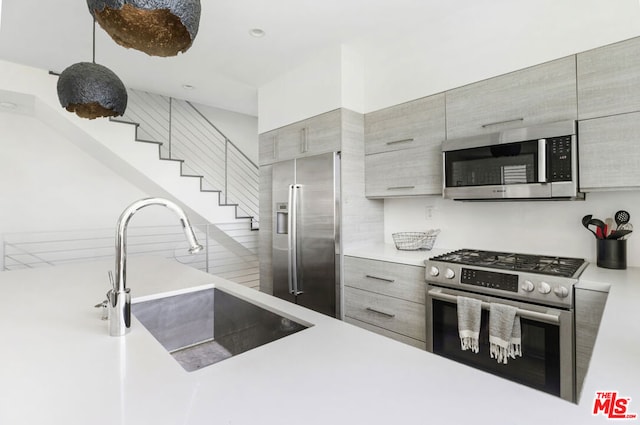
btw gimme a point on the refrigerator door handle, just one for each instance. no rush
(290, 241)
(293, 240)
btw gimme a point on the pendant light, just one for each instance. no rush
(155, 27)
(92, 90)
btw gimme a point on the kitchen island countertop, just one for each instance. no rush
(59, 366)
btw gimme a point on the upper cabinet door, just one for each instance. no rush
(406, 172)
(609, 154)
(312, 136)
(609, 80)
(535, 95)
(322, 134)
(408, 125)
(267, 143)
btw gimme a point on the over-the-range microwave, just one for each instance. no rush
(538, 162)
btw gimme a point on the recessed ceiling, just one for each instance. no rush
(226, 65)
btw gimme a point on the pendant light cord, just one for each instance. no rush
(94, 40)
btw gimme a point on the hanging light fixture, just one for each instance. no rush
(155, 27)
(92, 90)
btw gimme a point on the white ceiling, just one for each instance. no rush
(226, 65)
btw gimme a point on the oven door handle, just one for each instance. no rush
(552, 318)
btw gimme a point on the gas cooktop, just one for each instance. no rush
(542, 279)
(541, 264)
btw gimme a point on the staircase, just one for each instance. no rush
(204, 191)
(182, 133)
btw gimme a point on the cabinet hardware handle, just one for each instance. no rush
(304, 143)
(380, 278)
(381, 312)
(400, 141)
(275, 147)
(501, 122)
(400, 187)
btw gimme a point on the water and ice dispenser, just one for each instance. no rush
(282, 218)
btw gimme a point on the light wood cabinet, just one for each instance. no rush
(386, 298)
(392, 279)
(412, 124)
(319, 134)
(609, 80)
(407, 172)
(589, 306)
(535, 95)
(384, 332)
(403, 149)
(609, 154)
(265, 235)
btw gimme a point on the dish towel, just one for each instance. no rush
(505, 334)
(469, 314)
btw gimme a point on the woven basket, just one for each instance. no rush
(413, 241)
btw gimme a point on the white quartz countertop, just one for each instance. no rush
(59, 366)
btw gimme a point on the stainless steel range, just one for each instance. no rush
(540, 287)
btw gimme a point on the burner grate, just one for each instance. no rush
(549, 265)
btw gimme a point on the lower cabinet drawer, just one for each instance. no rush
(396, 280)
(389, 334)
(399, 316)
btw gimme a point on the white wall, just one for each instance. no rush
(47, 183)
(536, 227)
(303, 92)
(333, 79)
(241, 129)
(444, 52)
(457, 49)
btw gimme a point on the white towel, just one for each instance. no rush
(505, 335)
(469, 314)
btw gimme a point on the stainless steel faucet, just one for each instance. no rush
(119, 297)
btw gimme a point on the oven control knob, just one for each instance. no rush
(544, 288)
(433, 271)
(561, 291)
(528, 286)
(449, 274)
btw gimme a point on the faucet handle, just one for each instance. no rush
(105, 311)
(110, 273)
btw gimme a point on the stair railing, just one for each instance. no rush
(186, 134)
(27, 250)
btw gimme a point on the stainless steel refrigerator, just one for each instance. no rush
(306, 232)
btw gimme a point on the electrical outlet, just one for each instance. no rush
(428, 212)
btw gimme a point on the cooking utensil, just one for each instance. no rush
(599, 227)
(626, 226)
(622, 217)
(609, 223)
(585, 222)
(588, 220)
(619, 234)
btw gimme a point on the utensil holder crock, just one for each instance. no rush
(612, 253)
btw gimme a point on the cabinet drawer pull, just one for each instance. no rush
(304, 140)
(380, 278)
(400, 141)
(381, 312)
(502, 122)
(400, 187)
(275, 147)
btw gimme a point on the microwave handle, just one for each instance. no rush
(542, 161)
